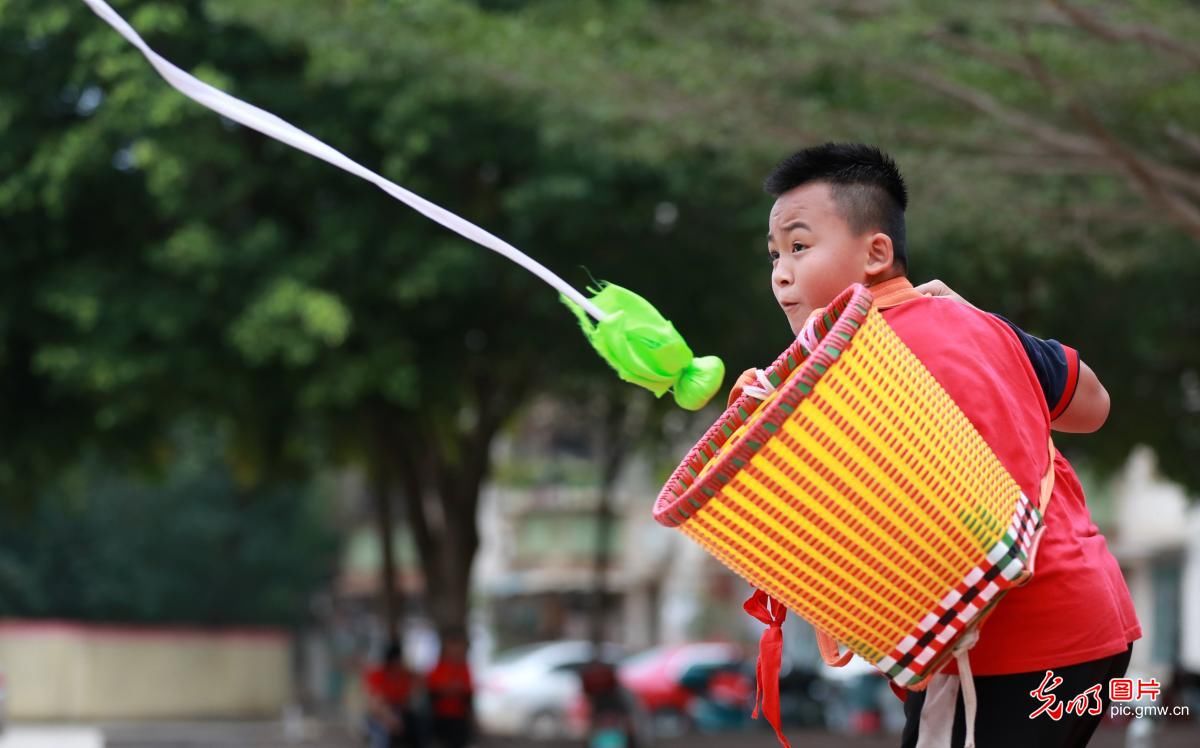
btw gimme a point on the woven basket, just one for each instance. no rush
(860, 496)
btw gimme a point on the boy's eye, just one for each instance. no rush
(773, 255)
(798, 247)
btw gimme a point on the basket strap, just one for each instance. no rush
(828, 647)
(967, 640)
(966, 682)
(1045, 492)
(1047, 487)
(936, 723)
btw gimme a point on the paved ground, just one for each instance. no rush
(52, 737)
(317, 735)
(1182, 735)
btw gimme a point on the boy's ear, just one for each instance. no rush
(879, 254)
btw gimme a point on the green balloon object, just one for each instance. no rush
(645, 349)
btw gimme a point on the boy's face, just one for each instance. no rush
(814, 253)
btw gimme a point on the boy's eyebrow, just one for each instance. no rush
(792, 226)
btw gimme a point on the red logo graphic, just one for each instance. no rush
(1120, 689)
(1088, 702)
(1123, 689)
(1050, 703)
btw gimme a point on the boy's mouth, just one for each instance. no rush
(796, 312)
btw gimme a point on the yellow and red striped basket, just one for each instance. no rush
(860, 496)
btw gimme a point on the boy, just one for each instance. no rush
(838, 219)
(451, 693)
(389, 688)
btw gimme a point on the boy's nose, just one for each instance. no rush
(780, 277)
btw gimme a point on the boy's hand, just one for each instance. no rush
(1090, 403)
(749, 376)
(936, 287)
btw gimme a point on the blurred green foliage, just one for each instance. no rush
(1052, 147)
(193, 547)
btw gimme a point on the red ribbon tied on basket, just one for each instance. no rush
(770, 655)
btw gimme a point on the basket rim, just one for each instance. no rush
(795, 374)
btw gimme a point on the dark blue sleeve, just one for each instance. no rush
(1056, 367)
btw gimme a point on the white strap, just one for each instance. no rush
(968, 683)
(937, 713)
(808, 335)
(274, 127)
(808, 342)
(765, 388)
(936, 725)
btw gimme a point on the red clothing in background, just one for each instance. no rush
(450, 689)
(393, 685)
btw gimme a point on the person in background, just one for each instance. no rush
(451, 693)
(610, 716)
(390, 688)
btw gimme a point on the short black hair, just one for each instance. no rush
(865, 183)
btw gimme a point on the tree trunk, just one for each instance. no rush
(392, 598)
(615, 435)
(459, 549)
(441, 479)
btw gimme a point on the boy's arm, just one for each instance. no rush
(1088, 410)
(1077, 401)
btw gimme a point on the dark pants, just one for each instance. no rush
(1005, 703)
(452, 732)
(410, 737)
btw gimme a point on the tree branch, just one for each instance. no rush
(997, 59)
(984, 103)
(1147, 36)
(1144, 173)
(1159, 183)
(1186, 138)
(1150, 174)
(413, 481)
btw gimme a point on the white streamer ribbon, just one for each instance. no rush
(808, 336)
(764, 388)
(274, 127)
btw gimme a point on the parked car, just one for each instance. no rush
(668, 681)
(535, 691)
(804, 694)
(857, 700)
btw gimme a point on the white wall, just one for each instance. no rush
(67, 671)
